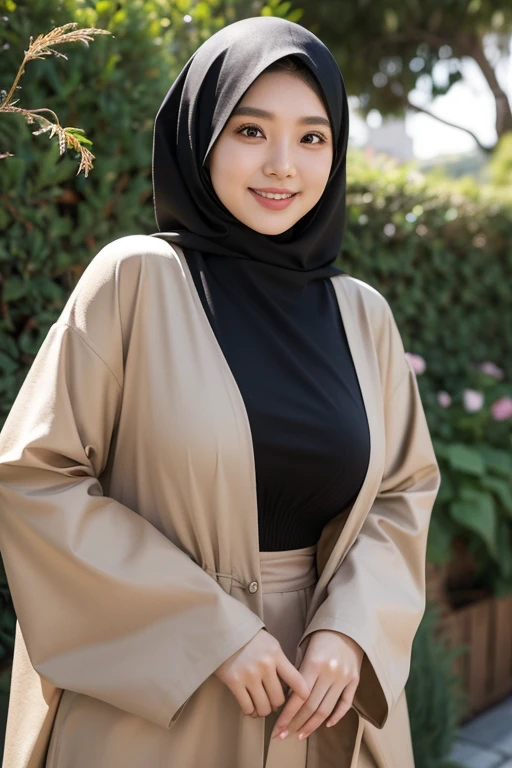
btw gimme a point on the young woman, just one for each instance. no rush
(217, 478)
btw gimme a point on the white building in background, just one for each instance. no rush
(392, 138)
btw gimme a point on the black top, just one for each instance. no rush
(299, 385)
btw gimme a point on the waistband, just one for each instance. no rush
(288, 570)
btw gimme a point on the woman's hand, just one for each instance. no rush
(251, 674)
(331, 667)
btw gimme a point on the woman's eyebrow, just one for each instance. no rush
(255, 112)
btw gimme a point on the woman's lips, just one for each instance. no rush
(273, 205)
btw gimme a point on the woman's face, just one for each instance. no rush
(288, 149)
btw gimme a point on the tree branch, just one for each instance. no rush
(456, 43)
(503, 110)
(407, 103)
(462, 44)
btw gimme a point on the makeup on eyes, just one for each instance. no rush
(321, 136)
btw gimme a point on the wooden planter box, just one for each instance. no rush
(484, 625)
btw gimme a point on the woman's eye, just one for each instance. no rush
(243, 128)
(248, 128)
(321, 139)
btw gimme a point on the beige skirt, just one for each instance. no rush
(88, 733)
(288, 580)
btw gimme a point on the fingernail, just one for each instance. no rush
(301, 736)
(283, 735)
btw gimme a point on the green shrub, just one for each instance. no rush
(435, 698)
(51, 221)
(441, 258)
(473, 442)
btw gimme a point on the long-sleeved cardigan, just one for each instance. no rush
(129, 536)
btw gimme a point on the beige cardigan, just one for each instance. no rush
(129, 530)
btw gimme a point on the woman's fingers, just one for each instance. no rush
(344, 704)
(292, 677)
(292, 719)
(260, 698)
(332, 706)
(294, 705)
(323, 711)
(267, 692)
(291, 708)
(244, 699)
(274, 689)
(252, 674)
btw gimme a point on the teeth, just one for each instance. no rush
(272, 195)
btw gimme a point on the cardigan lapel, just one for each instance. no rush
(359, 333)
(246, 549)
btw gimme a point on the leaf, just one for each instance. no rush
(14, 288)
(8, 345)
(496, 460)
(466, 459)
(7, 364)
(505, 548)
(502, 490)
(439, 543)
(441, 448)
(478, 514)
(296, 14)
(4, 219)
(446, 489)
(83, 140)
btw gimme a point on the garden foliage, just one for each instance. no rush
(439, 253)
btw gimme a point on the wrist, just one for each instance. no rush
(347, 639)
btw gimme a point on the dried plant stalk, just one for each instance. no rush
(42, 46)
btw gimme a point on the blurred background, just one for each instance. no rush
(429, 201)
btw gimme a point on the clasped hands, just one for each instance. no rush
(323, 687)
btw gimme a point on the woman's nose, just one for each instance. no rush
(280, 162)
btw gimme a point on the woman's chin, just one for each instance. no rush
(269, 228)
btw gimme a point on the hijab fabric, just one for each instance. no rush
(190, 119)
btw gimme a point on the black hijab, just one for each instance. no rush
(191, 117)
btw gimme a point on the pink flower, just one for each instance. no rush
(444, 399)
(492, 370)
(473, 400)
(417, 363)
(502, 408)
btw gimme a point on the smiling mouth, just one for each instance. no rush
(273, 203)
(273, 195)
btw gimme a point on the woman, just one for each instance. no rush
(217, 477)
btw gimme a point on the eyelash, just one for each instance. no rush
(323, 139)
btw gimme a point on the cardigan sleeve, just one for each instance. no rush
(377, 594)
(108, 605)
